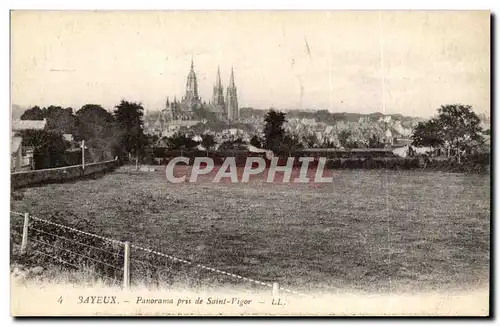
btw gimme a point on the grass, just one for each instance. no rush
(368, 230)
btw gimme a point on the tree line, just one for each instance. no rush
(456, 129)
(275, 138)
(120, 133)
(106, 134)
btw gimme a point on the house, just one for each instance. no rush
(69, 138)
(16, 153)
(388, 137)
(309, 122)
(483, 145)
(19, 125)
(403, 150)
(22, 156)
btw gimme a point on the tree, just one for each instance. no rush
(98, 128)
(34, 113)
(328, 144)
(239, 141)
(292, 143)
(273, 129)
(48, 148)
(374, 142)
(460, 126)
(344, 136)
(198, 128)
(324, 116)
(153, 139)
(247, 127)
(427, 134)
(230, 145)
(180, 141)
(207, 141)
(60, 120)
(311, 141)
(456, 126)
(256, 141)
(129, 118)
(353, 144)
(49, 145)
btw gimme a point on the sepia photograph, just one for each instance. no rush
(250, 163)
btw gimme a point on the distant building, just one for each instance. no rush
(403, 151)
(175, 125)
(22, 156)
(232, 109)
(19, 125)
(218, 105)
(69, 138)
(191, 99)
(386, 119)
(401, 147)
(189, 103)
(309, 122)
(16, 153)
(389, 140)
(185, 109)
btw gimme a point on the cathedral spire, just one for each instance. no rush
(218, 94)
(218, 82)
(232, 109)
(191, 98)
(231, 79)
(191, 87)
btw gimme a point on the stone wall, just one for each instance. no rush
(28, 178)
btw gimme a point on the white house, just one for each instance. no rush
(402, 151)
(22, 158)
(388, 137)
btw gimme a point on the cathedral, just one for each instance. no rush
(190, 105)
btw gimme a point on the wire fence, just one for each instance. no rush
(44, 242)
(119, 262)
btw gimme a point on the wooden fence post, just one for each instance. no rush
(276, 288)
(126, 266)
(24, 242)
(83, 155)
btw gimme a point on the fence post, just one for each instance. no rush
(126, 266)
(24, 242)
(83, 155)
(276, 288)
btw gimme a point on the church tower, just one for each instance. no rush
(218, 94)
(233, 112)
(168, 111)
(191, 97)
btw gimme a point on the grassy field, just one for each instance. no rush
(368, 230)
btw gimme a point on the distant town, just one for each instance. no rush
(53, 136)
(222, 118)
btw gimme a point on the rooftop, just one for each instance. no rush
(18, 125)
(16, 144)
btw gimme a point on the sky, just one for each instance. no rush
(408, 62)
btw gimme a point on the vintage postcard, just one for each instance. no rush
(250, 163)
